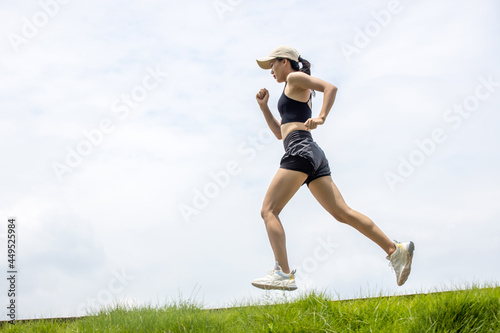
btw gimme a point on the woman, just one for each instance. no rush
(305, 163)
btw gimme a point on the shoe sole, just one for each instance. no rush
(406, 270)
(270, 287)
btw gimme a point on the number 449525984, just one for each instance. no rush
(11, 244)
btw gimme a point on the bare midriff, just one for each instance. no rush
(290, 127)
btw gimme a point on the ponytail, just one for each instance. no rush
(306, 67)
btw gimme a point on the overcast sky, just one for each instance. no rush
(135, 158)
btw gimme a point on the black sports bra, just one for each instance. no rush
(292, 110)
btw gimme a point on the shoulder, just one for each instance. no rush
(302, 80)
(298, 80)
(297, 77)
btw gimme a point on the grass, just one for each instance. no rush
(475, 309)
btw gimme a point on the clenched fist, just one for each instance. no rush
(262, 97)
(312, 123)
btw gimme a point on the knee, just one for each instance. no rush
(264, 212)
(267, 212)
(344, 216)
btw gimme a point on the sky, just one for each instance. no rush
(135, 158)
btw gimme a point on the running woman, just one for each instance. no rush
(305, 163)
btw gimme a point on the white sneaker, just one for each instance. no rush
(276, 279)
(401, 259)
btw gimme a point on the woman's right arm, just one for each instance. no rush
(273, 123)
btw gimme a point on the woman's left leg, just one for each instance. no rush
(328, 195)
(282, 188)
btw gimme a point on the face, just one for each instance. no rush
(278, 70)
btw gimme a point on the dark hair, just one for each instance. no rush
(306, 67)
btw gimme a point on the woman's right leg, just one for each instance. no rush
(399, 254)
(328, 195)
(282, 188)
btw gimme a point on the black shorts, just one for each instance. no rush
(304, 155)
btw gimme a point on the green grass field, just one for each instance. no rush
(475, 309)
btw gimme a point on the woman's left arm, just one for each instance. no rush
(302, 80)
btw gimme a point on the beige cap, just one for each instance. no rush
(282, 51)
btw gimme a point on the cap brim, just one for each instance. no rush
(265, 63)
